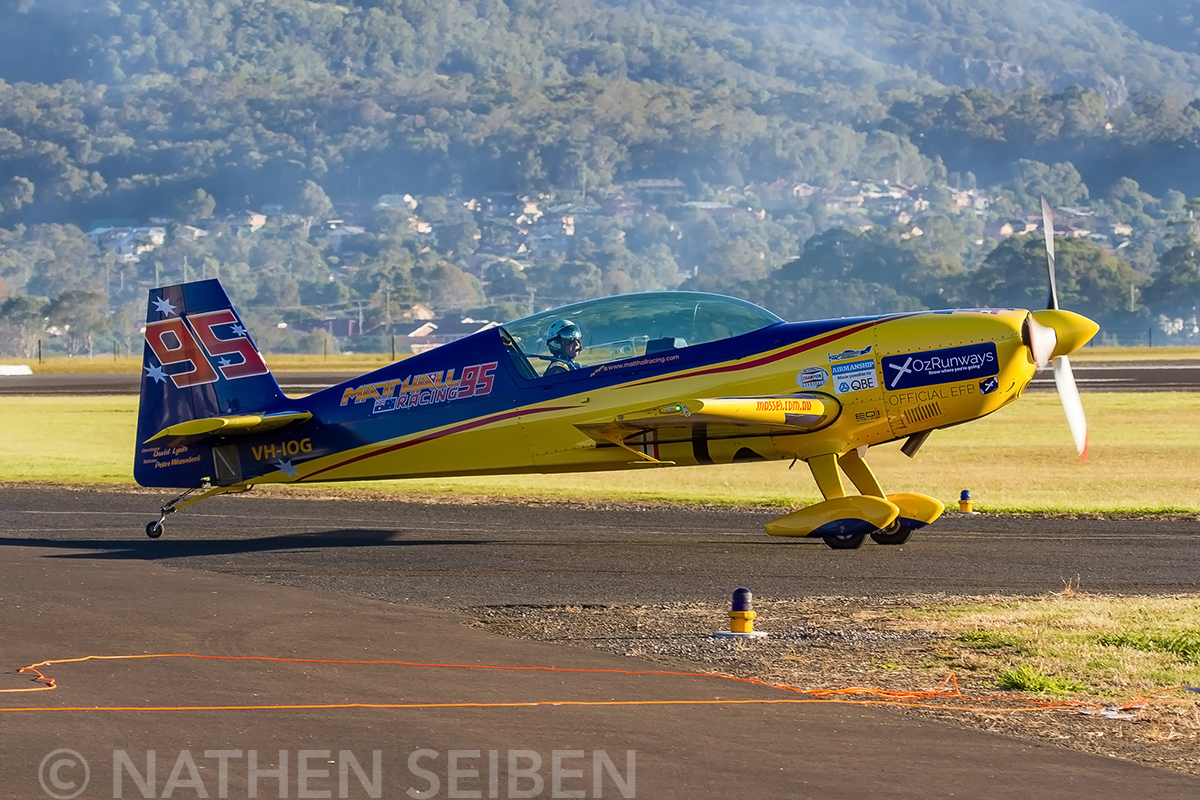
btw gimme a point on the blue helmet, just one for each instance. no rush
(560, 332)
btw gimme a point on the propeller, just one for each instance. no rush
(1052, 335)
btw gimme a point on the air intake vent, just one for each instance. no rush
(915, 416)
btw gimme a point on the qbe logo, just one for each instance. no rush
(854, 376)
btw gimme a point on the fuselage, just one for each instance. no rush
(471, 411)
(762, 389)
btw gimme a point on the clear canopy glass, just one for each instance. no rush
(627, 326)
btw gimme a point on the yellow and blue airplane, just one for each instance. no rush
(662, 379)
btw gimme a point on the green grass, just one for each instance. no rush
(1018, 459)
(1185, 645)
(1027, 679)
(1070, 642)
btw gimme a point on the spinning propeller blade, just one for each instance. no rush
(1044, 342)
(1048, 229)
(1068, 393)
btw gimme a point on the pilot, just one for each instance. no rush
(565, 341)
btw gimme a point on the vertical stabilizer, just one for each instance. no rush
(198, 362)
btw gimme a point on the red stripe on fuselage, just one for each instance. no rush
(768, 359)
(466, 426)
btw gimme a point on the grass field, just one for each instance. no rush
(362, 362)
(1143, 448)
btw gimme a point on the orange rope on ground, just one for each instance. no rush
(947, 690)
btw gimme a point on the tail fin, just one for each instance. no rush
(200, 366)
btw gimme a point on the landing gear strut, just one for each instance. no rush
(844, 522)
(156, 528)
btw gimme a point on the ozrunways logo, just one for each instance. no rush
(940, 366)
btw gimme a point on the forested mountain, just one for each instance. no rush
(141, 109)
(1171, 23)
(121, 106)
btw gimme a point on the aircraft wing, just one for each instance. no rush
(721, 416)
(232, 425)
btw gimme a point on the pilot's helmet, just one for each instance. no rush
(562, 331)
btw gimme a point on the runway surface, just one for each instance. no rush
(449, 555)
(1164, 376)
(78, 577)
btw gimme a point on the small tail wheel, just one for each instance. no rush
(155, 528)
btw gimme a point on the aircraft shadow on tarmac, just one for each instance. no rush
(147, 550)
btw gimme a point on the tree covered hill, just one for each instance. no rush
(997, 45)
(1171, 23)
(968, 109)
(119, 108)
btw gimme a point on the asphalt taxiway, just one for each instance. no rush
(369, 580)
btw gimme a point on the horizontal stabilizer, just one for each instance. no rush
(239, 425)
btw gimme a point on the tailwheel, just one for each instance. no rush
(845, 541)
(892, 534)
(155, 528)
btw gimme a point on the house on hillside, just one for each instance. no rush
(433, 333)
(244, 223)
(128, 243)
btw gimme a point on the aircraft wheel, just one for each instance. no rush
(845, 541)
(892, 534)
(154, 529)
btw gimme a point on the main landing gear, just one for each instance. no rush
(156, 528)
(844, 522)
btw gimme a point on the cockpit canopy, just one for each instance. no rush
(627, 326)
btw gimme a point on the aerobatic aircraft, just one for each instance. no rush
(655, 380)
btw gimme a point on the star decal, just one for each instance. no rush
(287, 469)
(163, 306)
(224, 362)
(238, 330)
(156, 372)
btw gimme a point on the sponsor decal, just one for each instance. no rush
(989, 385)
(641, 362)
(812, 378)
(920, 396)
(867, 416)
(847, 354)
(940, 366)
(854, 376)
(784, 405)
(424, 389)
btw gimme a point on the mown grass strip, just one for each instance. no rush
(1019, 459)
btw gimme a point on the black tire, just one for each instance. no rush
(846, 541)
(892, 534)
(154, 529)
